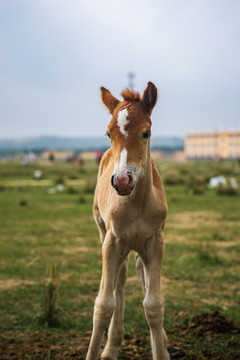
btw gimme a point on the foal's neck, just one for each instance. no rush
(144, 183)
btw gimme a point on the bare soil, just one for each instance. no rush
(208, 323)
(49, 345)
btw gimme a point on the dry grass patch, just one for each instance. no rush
(176, 238)
(193, 219)
(80, 249)
(7, 284)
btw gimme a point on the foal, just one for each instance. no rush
(130, 209)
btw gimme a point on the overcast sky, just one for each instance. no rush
(55, 54)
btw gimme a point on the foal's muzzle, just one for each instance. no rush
(123, 183)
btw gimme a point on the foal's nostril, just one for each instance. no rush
(130, 180)
(112, 180)
(113, 183)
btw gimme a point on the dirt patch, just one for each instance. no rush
(53, 345)
(211, 323)
(42, 346)
(46, 345)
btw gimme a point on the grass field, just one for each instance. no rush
(50, 264)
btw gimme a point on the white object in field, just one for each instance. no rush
(37, 174)
(216, 181)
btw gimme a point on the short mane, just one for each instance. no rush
(130, 95)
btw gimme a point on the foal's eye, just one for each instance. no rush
(108, 135)
(146, 134)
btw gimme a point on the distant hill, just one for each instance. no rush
(79, 144)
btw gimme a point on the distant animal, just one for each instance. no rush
(130, 210)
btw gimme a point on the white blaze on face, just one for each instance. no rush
(132, 169)
(123, 161)
(122, 165)
(122, 121)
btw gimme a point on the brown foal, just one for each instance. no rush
(130, 210)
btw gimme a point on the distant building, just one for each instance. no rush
(176, 155)
(213, 145)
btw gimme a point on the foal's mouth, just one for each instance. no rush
(124, 193)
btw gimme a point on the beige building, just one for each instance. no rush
(176, 155)
(213, 145)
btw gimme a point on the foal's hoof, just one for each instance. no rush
(107, 356)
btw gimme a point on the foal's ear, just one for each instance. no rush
(149, 97)
(109, 100)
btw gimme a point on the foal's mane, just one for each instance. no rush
(131, 95)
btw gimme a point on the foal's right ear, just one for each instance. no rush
(150, 96)
(109, 100)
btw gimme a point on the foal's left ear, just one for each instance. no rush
(109, 100)
(149, 97)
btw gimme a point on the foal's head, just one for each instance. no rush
(129, 131)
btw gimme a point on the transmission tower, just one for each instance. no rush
(131, 78)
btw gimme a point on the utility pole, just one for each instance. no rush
(131, 77)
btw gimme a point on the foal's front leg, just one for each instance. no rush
(153, 302)
(105, 303)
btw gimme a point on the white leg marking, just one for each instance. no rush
(122, 121)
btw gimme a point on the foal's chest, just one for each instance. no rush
(135, 228)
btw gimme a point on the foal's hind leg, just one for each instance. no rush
(115, 332)
(141, 273)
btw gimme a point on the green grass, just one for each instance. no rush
(201, 263)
